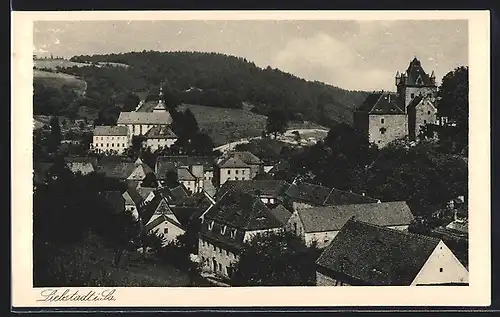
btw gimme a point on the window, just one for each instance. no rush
(210, 225)
(112, 145)
(165, 230)
(382, 130)
(441, 269)
(223, 230)
(243, 172)
(412, 95)
(220, 267)
(228, 172)
(102, 144)
(428, 112)
(112, 138)
(382, 120)
(236, 172)
(425, 121)
(236, 178)
(107, 144)
(295, 227)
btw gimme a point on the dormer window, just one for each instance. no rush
(210, 225)
(233, 233)
(223, 230)
(382, 120)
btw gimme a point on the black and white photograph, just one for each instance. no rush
(213, 153)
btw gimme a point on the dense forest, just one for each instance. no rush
(213, 79)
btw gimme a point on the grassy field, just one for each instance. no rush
(226, 125)
(58, 80)
(54, 63)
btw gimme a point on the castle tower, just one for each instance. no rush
(415, 82)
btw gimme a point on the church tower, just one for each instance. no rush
(415, 82)
(160, 107)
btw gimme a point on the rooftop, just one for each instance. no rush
(320, 219)
(374, 255)
(110, 130)
(157, 118)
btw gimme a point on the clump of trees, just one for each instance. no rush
(276, 259)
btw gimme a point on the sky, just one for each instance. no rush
(354, 55)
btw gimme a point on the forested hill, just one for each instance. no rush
(219, 80)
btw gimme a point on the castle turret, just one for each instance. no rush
(398, 78)
(433, 78)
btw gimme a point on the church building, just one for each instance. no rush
(385, 116)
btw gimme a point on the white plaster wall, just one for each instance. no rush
(442, 267)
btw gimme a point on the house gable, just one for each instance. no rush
(442, 267)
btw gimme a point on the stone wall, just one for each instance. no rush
(384, 129)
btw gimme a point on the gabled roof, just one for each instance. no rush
(419, 100)
(156, 205)
(209, 188)
(103, 130)
(185, 215)
(144, 192)
(280, 167)
(321, 196)
(121, 170)
(132, 197)
(381, 103)
(233, 215)
(239, 159)
(243, 211)
(281, 213)
(332, 218)
(373, 255)
(273, 188)
(160, 118)
(233, 162)
(160, 132)
(415, 72)
(153, 224)
(183, 174)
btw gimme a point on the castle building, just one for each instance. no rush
(386, 116)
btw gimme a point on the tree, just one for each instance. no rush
(190, 124)
(277, 122)
(55, 134)
(130, 102)
(454, 95)
(150, 181)
(276, 259)
(171, 178)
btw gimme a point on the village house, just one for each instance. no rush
(234, 219)
(384, 116)
(371, 255)
(269, 191)
(302, 195)
(238, 166)
(123, 170)
(109, 139)
(194, 172)
(322, 224)
(156, 216)
(160, 137)
(133, 201)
